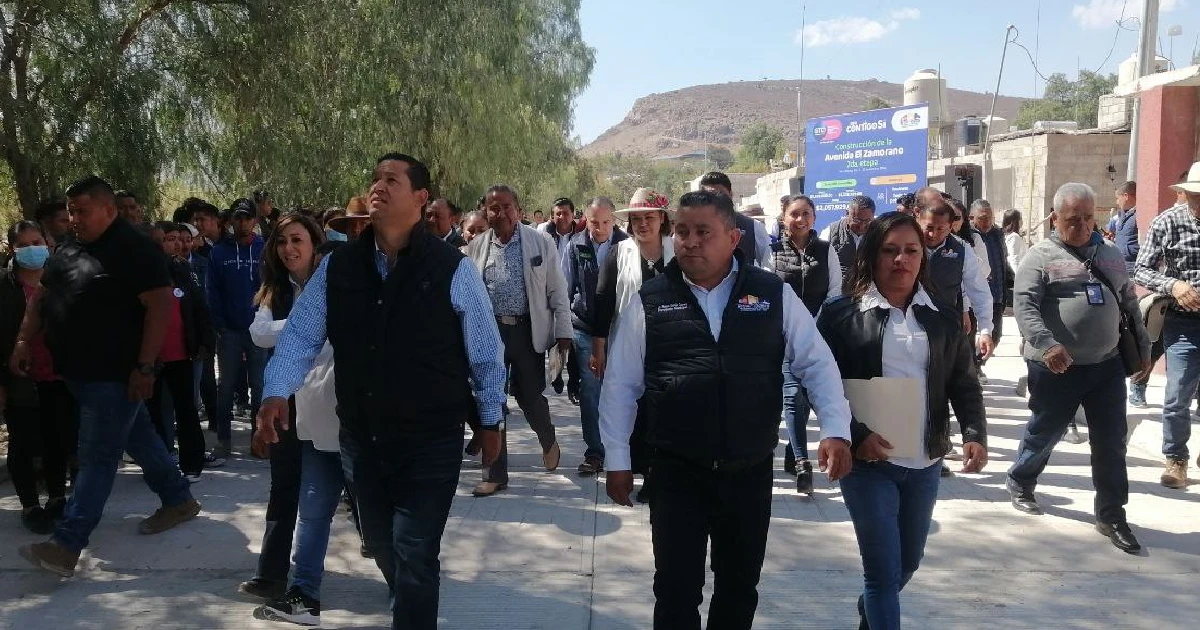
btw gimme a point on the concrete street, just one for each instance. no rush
(553, 553)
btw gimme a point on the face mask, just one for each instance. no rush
(32, 257)
(334, 235)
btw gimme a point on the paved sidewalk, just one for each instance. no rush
(553, 553)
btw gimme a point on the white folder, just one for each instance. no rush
(892, 408)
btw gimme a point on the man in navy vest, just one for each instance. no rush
(754, 244)
(700, 345)
(984, 223)
(581, 263)
(416, 351)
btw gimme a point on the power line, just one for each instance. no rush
(1122, 23)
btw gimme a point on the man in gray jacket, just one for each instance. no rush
(529, 296)
(1069, 317)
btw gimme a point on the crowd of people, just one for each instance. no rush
(361, 343)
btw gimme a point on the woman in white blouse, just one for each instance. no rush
(887, 326)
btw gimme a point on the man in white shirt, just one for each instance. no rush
(954, 271)
(846, 233)
(755, 244)
(700, 346)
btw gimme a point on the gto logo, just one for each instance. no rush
(828, 130)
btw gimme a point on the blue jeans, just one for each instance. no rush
(232, 346)
(796, 410)
(109, 424)
(404, 488)
(321, 484)
(1053, 401)
(589, 397)
(1181, 336)
(891, 507)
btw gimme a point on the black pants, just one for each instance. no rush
(528, 368)
(690, 506)
(208, 387)
(178, 378)
(404, 489)
(282, 505)
(49, 430)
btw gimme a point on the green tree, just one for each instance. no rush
(760, 144)
(1064, 99)
(721, 157)
(875, 102)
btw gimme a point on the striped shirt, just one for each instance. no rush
(305, 334)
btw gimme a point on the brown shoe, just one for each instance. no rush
(488, 488)
(591, 466)
(52, 557)
(165, 518)
(1175, 476)
(552, 456)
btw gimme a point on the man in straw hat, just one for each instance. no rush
(1174, 243)
(356, 219)
(712, 329)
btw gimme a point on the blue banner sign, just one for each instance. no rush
(880, 154)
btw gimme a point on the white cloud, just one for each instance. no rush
(1105, 13)
(852, 30)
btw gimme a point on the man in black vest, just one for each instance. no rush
(703, 343)
(984, 223)
(755, 244)
(412, 332)
(581, 264)
(845, 234)
(954, 270)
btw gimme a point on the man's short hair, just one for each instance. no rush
(862, 202)
(716, 178)
(722, 204)
(455, 211)
(503, 188)
(980, 203)
(1128, 188)
(418, 173)
(169, 226)
(564, 201)
(941, 209)
(125, 194)
(602, 202)
(91, 186)
(906, 201)
(47, 208)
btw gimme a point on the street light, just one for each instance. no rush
(1172, 33)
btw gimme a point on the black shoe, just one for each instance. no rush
(789, 459)
(364, 552)
(1023, 500)
(263, 589)
(295, 607)
(946, 472)
(56, 508)
(862, 615)
(1121, 536)
(804, 478)
(573, 398)
(557, 385)
(37, 520)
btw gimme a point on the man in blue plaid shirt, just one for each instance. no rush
(1169, 263)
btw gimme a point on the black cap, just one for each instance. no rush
(242, 207)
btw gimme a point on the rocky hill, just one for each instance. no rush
(680, 121)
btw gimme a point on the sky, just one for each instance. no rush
(651, 46)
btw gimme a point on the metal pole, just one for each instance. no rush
(1146, 57)
(801, 123)
(987, 134)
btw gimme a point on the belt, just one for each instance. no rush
(512, 320)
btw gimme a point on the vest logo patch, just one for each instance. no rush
(948, 253)
(752, 304)
(671, 308)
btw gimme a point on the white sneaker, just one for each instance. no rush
(192, 478)
(983, 379)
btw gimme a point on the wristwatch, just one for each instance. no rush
(147, 369)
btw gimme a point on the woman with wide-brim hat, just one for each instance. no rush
(637, 259)
(356, 219)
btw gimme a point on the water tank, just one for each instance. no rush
(1056, 125)
(925, 86)
(995, 125)
(969, 131)
(1127, 71)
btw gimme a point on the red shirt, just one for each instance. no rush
(41, 366)
(174, 346)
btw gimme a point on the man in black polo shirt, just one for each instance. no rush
(105, 301)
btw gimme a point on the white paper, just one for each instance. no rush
(891, 407)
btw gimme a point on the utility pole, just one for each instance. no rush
(801, 124)
(1146, 58)
(987, 133)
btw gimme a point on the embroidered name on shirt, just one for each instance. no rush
(752, 304)
(670, 308)
(948, 253)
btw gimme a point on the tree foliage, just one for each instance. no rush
(297, 97)
(875, 102)
(761, 143)
(1064, 99)
(721, 157)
